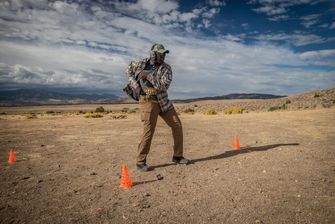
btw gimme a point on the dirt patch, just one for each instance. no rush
(69, 167)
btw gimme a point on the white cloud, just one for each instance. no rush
(278, 9)
(211, 13)
(65, 8)
(270, 10)
(63, 66)
(216, 3)
(157, 6)
(318, 54)
(332, 26)
(279, 18)
(325, 25)
(296, 39)
(310, 20)
(165, 13)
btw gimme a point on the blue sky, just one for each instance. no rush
(216, 47)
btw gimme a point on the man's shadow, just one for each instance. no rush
(231, 153)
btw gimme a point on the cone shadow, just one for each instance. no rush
(143, 182)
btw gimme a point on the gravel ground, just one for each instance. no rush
(68, 168)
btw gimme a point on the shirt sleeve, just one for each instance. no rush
(162, 80)
(133, 69)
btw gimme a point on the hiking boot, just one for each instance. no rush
(180, 160)
(142, 167)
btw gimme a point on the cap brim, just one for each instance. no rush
(164, 52)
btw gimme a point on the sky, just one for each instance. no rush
(281, 47)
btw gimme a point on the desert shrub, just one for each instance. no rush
(121, 116)
(280, 107)
(288, 101)
(234, 111)
(93, 115)
(332, 101)
(316, 95)
(50, 112)
(128, 111)
(195, 105)
(210, 111)
(3, 113)
(189, 111)
(125, 110)
(100, 109)
(31, 116)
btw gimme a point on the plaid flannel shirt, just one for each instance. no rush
(160, 79)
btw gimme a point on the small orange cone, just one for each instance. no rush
(125, 179)
(236, 143)
(11, 158)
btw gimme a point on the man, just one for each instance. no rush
(151, 78)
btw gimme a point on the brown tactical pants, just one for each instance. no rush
(150, 109)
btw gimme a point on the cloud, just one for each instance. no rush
(296, 38)
(278, 9)
(57, 66)
(310, 20)
(156, 6)
(279, 18)
(318, 54)
(270, 10)
(165, 13)
(332, 26)
(216, 3)
(321, 57)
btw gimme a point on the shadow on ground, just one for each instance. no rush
(232, 153)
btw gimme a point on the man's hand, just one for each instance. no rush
(143, 75)
(138, 92)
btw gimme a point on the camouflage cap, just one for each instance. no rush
(159, 48)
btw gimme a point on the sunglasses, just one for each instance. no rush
(160, 54)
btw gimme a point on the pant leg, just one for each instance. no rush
(172, 120)
(149, 114)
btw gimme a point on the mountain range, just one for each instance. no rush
(52, 97)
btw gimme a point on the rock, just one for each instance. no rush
(159, 177)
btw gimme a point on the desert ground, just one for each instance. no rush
(68, 167)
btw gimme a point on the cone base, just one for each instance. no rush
(126, 187)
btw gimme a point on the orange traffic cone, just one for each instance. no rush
(11, 158)
(236, 144)
(125, 179)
